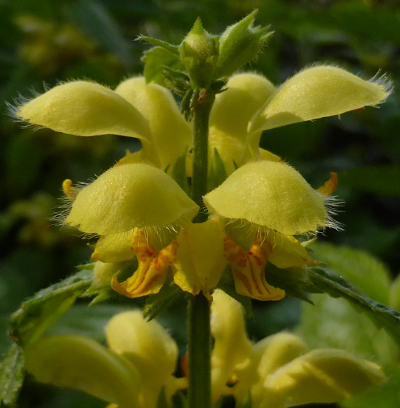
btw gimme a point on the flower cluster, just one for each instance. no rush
(278, 371)
(257, 211)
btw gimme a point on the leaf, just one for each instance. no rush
(155, 304)
(179, 173)
(299, 282)
(160, 43)
(355, 265)
(93, 19)
(382, 180)
(11, 375)
(326, 281)
(156, 59)
(217, 173)
(86, 321)
(35, 315)
(162, 401)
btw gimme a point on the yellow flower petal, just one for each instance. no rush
(81, 363)
(115, 247)
(152, 270)
(248, 269)
(200, 258)
(245, 95)
(267, 155)
(85, 109)
(324, 376)
(287, 252)
(171, 135)
(232, 352)
(103, 273)
(128, 196)
(269, 194)
(315, 93)
(149, 347)
(275, 351)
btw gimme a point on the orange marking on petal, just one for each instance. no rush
(248, 270)
(330, 185)
(152, 268)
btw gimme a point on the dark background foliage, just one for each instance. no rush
(45, 42)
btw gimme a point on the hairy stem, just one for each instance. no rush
(199, 340)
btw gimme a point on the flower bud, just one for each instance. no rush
(240, 44)
(199, 53)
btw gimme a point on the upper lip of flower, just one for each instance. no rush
(137, 194)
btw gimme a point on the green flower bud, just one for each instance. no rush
(239, 44)
(199, 53)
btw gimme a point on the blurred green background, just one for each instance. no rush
(45, 42)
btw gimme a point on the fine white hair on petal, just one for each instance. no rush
(384, 81)
(333, 206)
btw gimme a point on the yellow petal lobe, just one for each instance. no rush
(200, 258)
(269, 194)
(287, 252)
(128, 196)
(171, 135)
(83, 108)
(324, 375)
(115, 247)
(82, 364)
(245, 95)
(148, 346)
(232, 352)
(248, 269)
(315, 93)
(152, 271)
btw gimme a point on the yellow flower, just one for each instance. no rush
(132, 373)
(279, 371)
(138, 210)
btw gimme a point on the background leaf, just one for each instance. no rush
(35, 315)
(11, 375)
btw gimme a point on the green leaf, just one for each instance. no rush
(86, 321)
(382, 180)
(156, 59)
(336, 322)
(155, 304)
(356, 265)
(11, 375)
(36, 314)
(160, 43)
(162, 401)
(179, 173)
(326, 281)
(395, 294)
(217, 172)
(294, 281)
(299, 282)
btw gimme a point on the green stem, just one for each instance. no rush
(199, 343)
(199, 339)
(202, 111)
